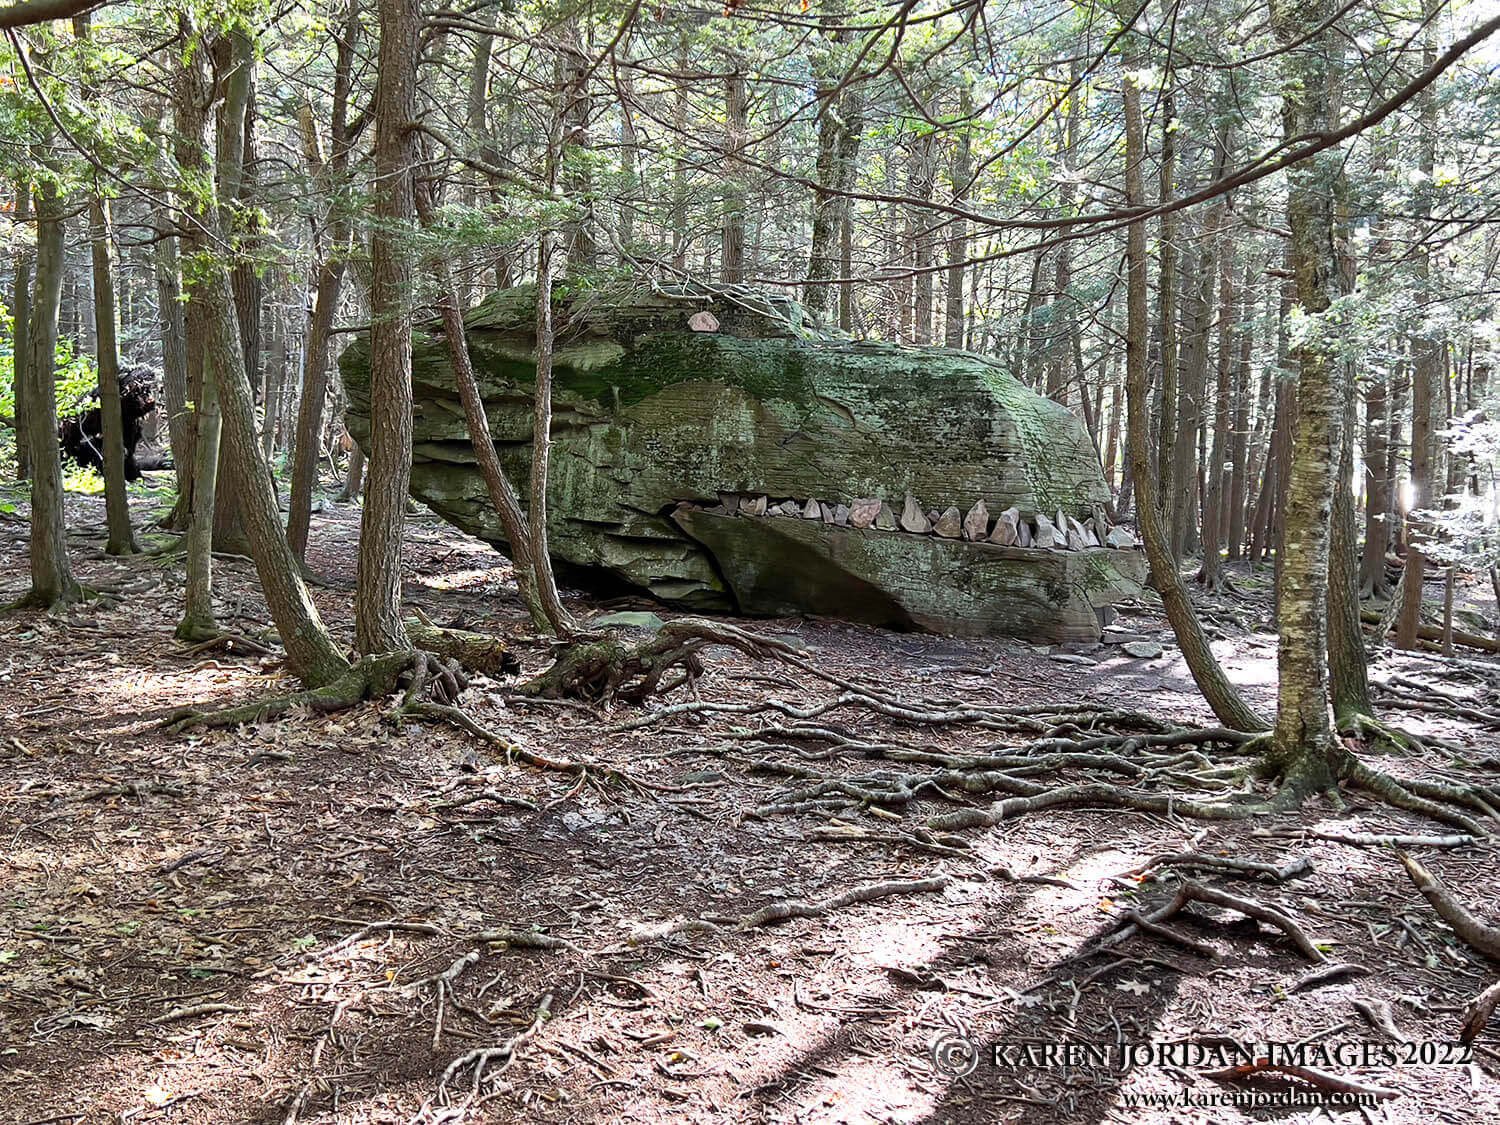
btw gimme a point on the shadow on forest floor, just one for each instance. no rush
(176, 913)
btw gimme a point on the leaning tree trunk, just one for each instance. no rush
(377, 593)
(52, 580)
(1226, 701)
(502, 493)
(311, 653)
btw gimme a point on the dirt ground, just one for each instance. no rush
(306, 921)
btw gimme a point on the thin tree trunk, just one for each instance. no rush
(1428, 367)
(52, 581)
(198, 618)
(354, 477)
(732, 254)
(121, 537)
(958, 230)
(1240, 478)
(1212, 572)
(174, 380)
(21, 337)
(541, 445)
(1222, 696)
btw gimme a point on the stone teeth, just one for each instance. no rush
(913, 519)
(1008, 526)
(886, 520)
(1047, 534)
(949, 525)
(977, 522)
(812, 510)
(864, 512)
(753, 506)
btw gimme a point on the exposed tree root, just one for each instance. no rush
(790, 908)
(604, 669)
(479, 652)
(1196, 892)
(370, 678)
(1472, 931)
(1247, 868)
(1477, 1013)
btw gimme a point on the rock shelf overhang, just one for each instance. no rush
(679, 415)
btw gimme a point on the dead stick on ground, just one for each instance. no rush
(1475, 933)
(1319, 1078)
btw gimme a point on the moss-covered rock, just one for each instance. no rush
(649, 414)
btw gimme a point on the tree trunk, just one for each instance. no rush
(1212, 572)
(174, 380)
(121, 538)
(377, 593)
(198, 618)
(541, 446)
(52, 580)
(234, 57)
(958, 229)
(21, 337)
(1429, 355)
(1167, 316)
(1221, 695)
(330, 275)
(1304, 747)
(354, 476)
(1239, 477)
(732, 255)
(1372, 575)
(827, 203)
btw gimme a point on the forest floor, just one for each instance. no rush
(296, 922)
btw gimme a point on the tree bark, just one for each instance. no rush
(541, 446)
(121, 537)
(377, 593)
(1304, 747)
(52, 581)
(958, 230)
(21, 337)
(174, 380)
(732, 253)
(311, 653)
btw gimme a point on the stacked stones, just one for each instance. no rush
(1060, 531)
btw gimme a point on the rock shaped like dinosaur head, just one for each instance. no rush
(668, 401)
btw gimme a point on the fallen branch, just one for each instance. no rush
(1319, 1078)
(1471, 930)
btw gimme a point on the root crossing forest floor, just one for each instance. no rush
(327, 919)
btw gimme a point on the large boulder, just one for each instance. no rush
(678, 414)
